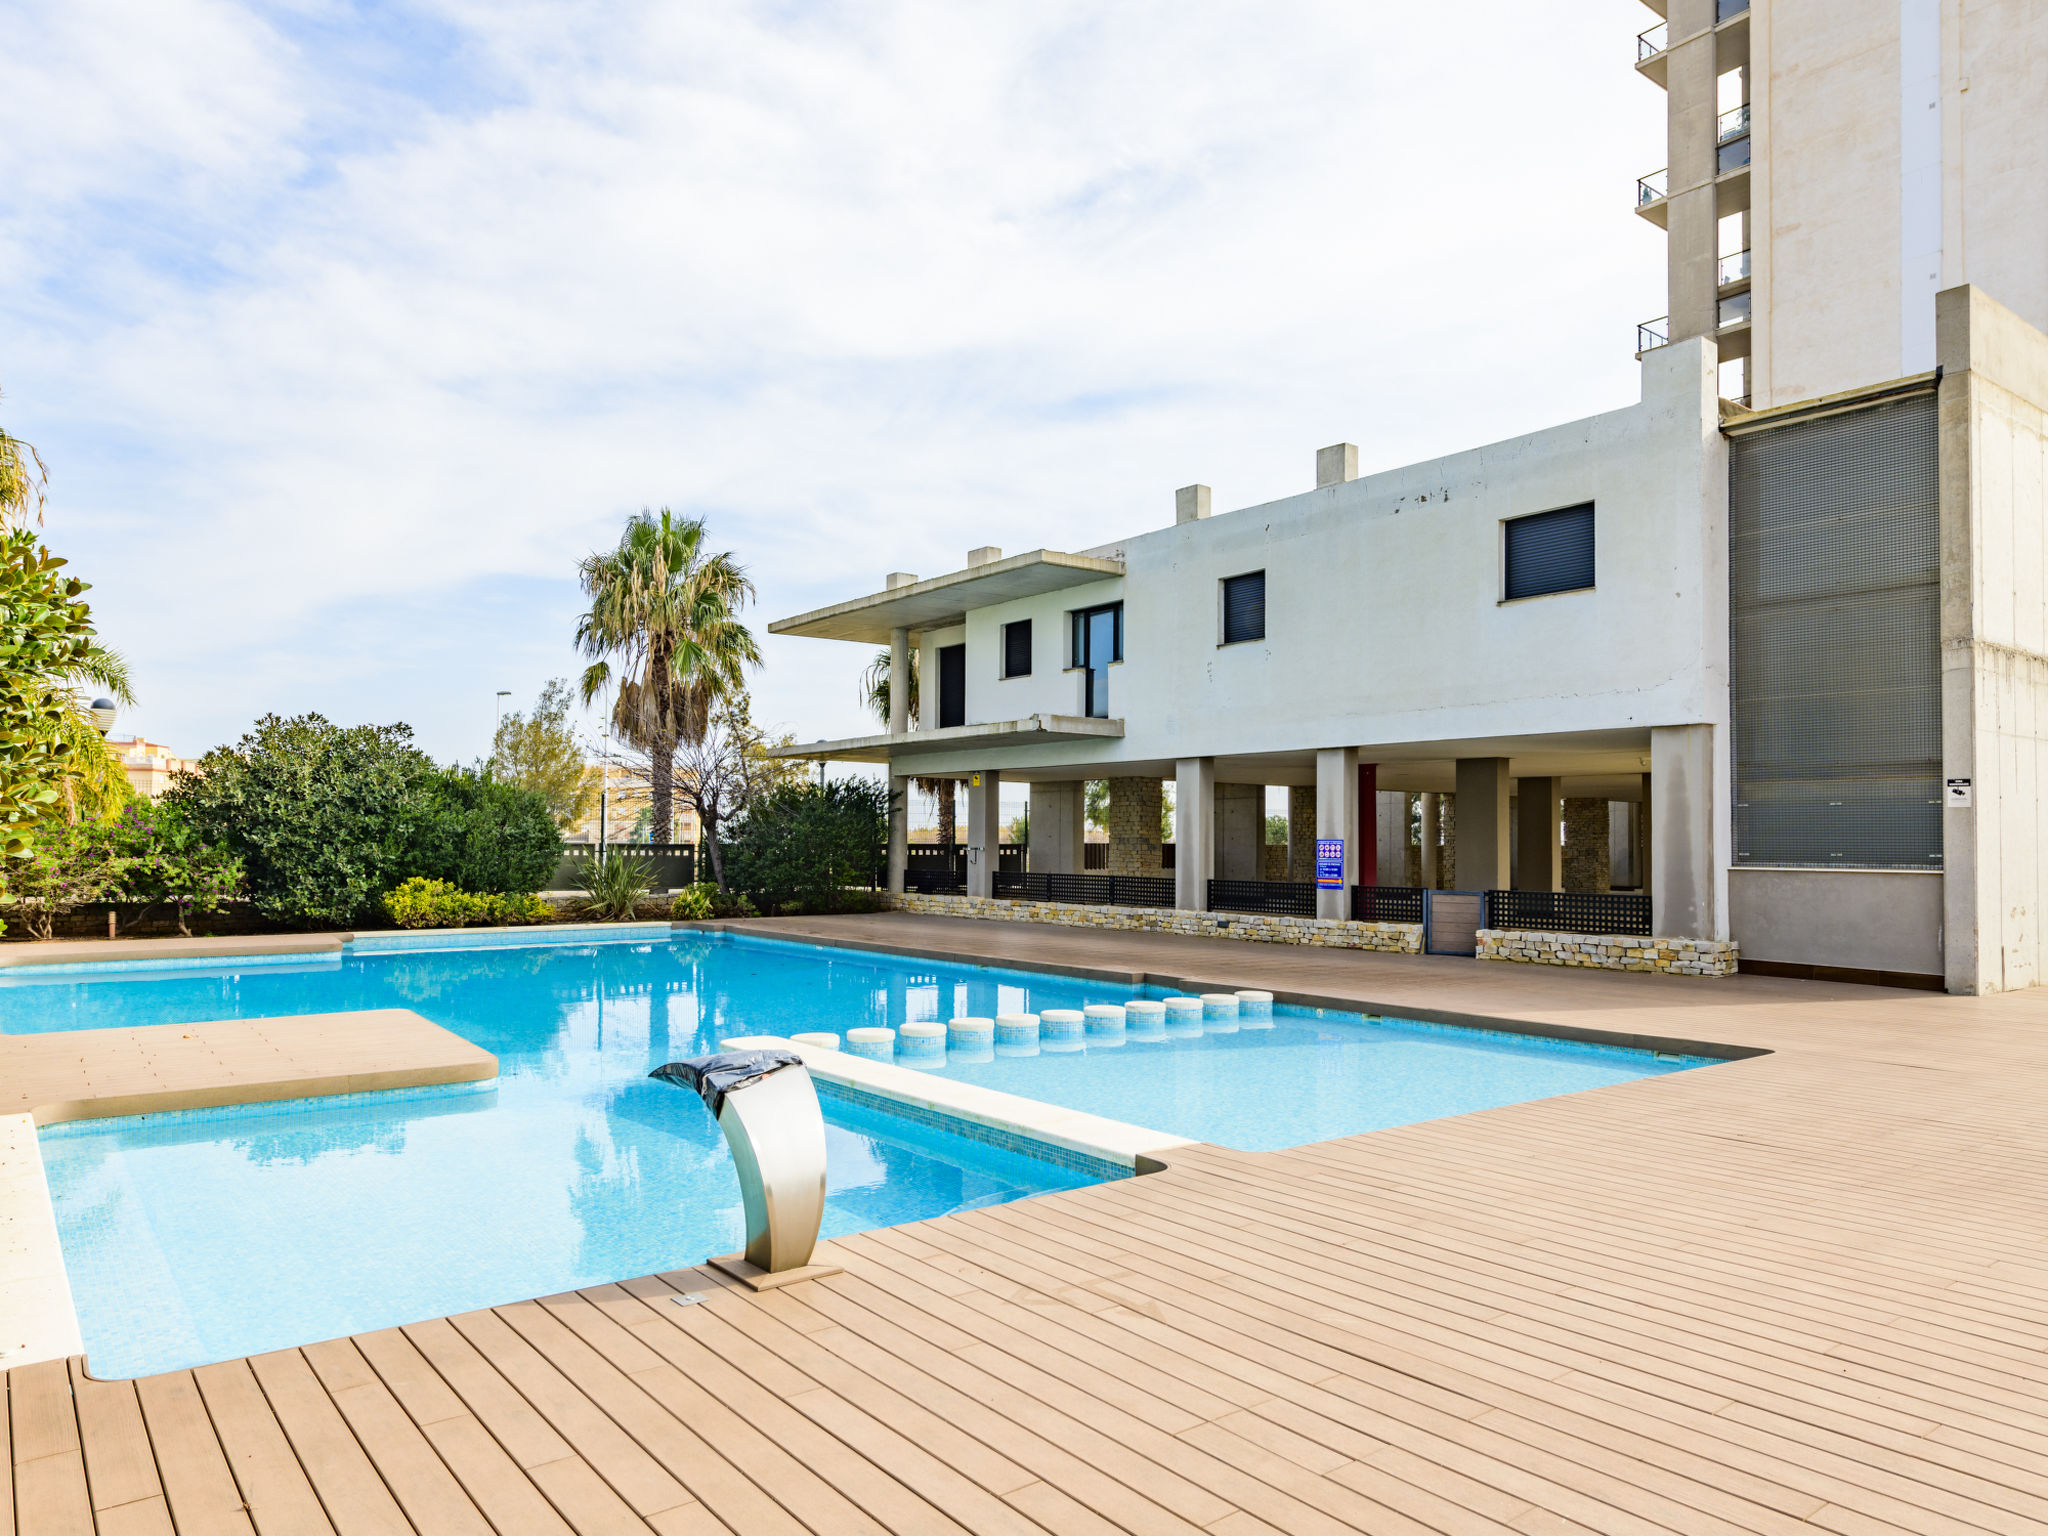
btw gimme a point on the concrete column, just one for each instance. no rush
(1059, 823)
(1240, 831)
(1482, 823)
(899, 830)
(1134, 806)
(1539, 865)
(1682, 832)
(899, 681)
(1194, 832)
(1430, 834)
(1588, 840)
(1337, 816)
(1301, 832)
(984, 830)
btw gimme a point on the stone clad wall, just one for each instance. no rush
(1588, 843)
(1134, 827)
(1394, 938)
(1611, 952)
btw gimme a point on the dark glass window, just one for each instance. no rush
(952, 685)
(1244, 607)
(1550, 552)
(1017, 649)
(1098, 641)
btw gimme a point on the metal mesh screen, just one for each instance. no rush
(1834, 613)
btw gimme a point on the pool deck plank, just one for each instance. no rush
(1799, 1292)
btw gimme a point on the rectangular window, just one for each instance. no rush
(1098, 641)
(952, 685)
(1550, 552)
(1244, 607)
(1017, 649)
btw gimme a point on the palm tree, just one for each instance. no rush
(22, 478)
(874, 693)
(664, 609)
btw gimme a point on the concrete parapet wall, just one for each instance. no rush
(1392, 938)
(1611, 952)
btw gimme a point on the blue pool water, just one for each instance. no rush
(211, 1234)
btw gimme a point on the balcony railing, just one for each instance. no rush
(1651, 43)
(1735, 309)
(1652, 334)
(1723, 9)
(1732, 155)
(1732, 124)
(1734, 268)
(1653, 187)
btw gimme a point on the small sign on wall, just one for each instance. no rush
(1330, 863)
(1957, 795)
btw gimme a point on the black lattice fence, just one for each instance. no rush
(1086, 890)
(1622, 912)
(1281, 898)
(1386, 904)
(937, 880)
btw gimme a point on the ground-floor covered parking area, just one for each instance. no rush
(1802, 1290)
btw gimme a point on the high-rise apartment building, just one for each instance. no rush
(1832, 165)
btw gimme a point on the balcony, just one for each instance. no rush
(1651, 192)
(1723, 9)
(1651, 43)
(1732, 124)
(1734, 310)
(1734, 269)
(1652, 334)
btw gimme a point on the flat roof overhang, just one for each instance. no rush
(943, 601)
(1033, 730)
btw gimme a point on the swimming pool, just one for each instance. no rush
(210, 1234)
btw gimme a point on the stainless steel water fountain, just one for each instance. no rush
(765, 1104)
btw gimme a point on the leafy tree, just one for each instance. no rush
(874, 693)
(45, 633)
(1276, 830)
(22, 481)
(324, 818)
(71, 865)
(726, 770)
(803, 845)
(485, 835)
(540, 752)
(168, 863)
(664, 608)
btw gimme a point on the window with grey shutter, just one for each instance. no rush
(1550, 552)
(1244, 607)
(1017, 649)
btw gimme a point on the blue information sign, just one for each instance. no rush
(1330, 863)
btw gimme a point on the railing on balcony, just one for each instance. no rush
(1651, 43)
(1732, 123)
(1652, 334)
(1569, 911)
(1653, 187)
(1734, 310)
(1723, 9)
(1734, 267)
(1731, 156)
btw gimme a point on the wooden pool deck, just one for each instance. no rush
(1801, 1291)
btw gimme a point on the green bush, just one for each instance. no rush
(426, 903)
(693, 903)
(810, 846)
(614, 884)
(484, 834)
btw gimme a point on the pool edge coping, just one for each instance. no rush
(35, 1285)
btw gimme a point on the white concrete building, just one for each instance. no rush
(1785, 670)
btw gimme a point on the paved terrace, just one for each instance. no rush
(1792, 1292)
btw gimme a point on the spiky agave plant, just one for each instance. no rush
(614, 884)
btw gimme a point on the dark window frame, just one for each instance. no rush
(1532, 580)
(1090, 666)
(1008, 657)
(952, 676)
(1224, 591)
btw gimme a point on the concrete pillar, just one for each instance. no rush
(1336, 464)
(1390, 838)
(899, 830)
(1430, 834)
(1538, 862)
(1588, 840)
(1337, 817)
(899, 681)
(1194, 832)
(1682, 878)
(1482, 823)
(984, 830)
(1644, 863)
(1191, 503)
(1134, 806)
(1059, 823)
(1301, 832)
(1240, 829)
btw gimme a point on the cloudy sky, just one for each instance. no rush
(346, 329)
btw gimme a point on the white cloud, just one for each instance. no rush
(348, 333)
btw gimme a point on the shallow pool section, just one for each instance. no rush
(209, 1234)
